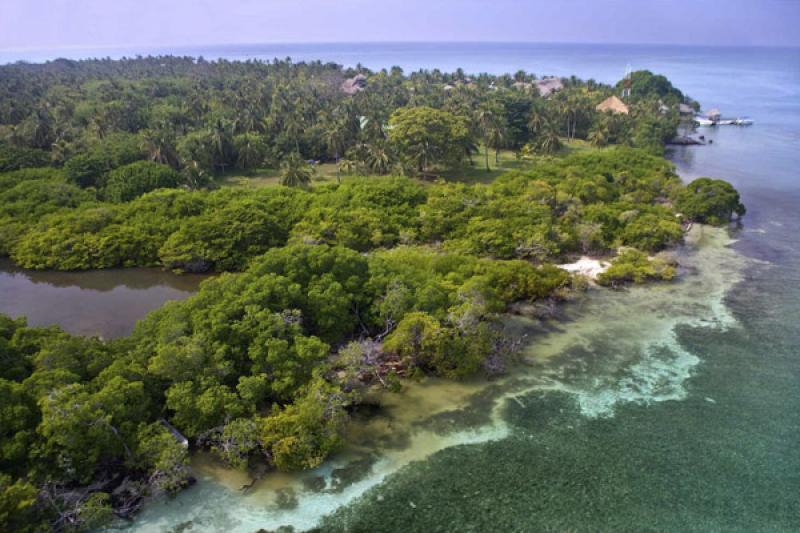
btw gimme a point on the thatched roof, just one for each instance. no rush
(549, 85)
(353, 85)
(685, 109)
(613, 104)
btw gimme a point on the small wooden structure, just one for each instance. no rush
(614, 105)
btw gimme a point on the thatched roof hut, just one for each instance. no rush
(547, 86)
(685, 109)
(355, 84)
(614, 105)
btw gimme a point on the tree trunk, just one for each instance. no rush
(486, 153)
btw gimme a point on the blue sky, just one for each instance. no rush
(131, 23)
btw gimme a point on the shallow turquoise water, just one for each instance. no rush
(724, 458)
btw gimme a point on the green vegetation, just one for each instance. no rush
(354, 274)
(131, 181)
(709, 201)
(207, 118)
(244, 367)
(634, 266)
(424, 137)
(586, 201)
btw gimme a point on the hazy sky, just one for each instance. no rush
(141, 23)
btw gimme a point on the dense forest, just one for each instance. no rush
(393, 270)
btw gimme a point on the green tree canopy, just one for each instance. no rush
(709, 200)
(426, 137)
(131, 181)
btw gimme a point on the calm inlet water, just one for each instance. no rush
(672, 407)
(104, 302)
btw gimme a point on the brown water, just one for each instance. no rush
(107, 303)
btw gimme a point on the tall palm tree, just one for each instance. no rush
(496, 138)
(537, 120)
(485, 117)
(336, 139)
(250, 150)
(220, 140)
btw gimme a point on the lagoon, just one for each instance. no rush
(105, 303)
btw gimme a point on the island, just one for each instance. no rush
(364, 229)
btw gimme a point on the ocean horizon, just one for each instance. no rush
(300, 50)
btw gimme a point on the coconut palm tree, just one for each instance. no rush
(336, 138)
(485, 116)
(496, 138)
(250, 150)
(160, 147)
(220, 140)
(295, 172)
(549, 143)
(348, 166)
(537, 120)
(598, 136)
(377, 158)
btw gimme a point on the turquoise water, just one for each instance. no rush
(668, 408)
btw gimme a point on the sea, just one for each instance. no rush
(671, 407)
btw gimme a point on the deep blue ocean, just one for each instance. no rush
(658, 409)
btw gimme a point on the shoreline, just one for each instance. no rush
(485, 402)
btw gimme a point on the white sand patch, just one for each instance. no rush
(586, 266)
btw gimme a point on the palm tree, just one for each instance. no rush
(537, 120)
(549, 142)
(485, 117)
(250, 150)
(220, 139)
(295, 172)
(336, 139)
(348, 166)
(60, 151)
(496, 138)
(42, 129)
(598, 136)
(159, 144)
(378, 159)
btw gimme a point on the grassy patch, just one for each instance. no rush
(470, 174)
(270, 177)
